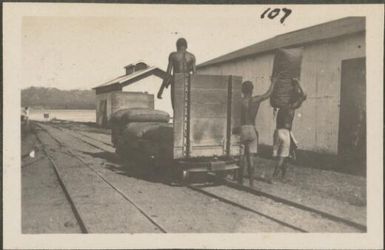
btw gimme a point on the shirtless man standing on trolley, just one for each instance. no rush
(180, 61)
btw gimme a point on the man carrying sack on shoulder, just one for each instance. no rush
(284, 144)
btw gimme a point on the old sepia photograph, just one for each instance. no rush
(144, 120)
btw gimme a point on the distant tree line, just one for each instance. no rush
(53, 98)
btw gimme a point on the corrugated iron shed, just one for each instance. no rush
(329, 30)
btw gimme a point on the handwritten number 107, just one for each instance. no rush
(275, 12)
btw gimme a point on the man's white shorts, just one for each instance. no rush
(281, 145)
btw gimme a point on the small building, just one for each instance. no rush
(332, 119)
(119, 93)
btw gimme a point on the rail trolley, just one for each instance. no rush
(206, 113)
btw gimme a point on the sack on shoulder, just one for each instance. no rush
(299, 96)
(248, 133)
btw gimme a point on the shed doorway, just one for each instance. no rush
(352, 123)
(103, 112)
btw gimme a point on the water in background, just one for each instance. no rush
(63, 114)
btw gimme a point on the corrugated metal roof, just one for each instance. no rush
(136, 76)
(336, 28)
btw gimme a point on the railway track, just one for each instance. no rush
(78, 218)
(81, 222)
(235, 204)
(310, 212)
(329, 216)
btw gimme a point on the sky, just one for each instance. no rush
(69, 51)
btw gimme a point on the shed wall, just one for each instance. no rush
(99, 99)
(151, 86)
(316, 123)
(117, 100)
(123, 100)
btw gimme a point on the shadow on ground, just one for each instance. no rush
(148, 171)
(134, 168)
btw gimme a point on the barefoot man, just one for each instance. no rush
(249, 135)
(284, 143)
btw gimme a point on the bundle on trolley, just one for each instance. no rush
(150, 140)
(125, 116)
(121, 118)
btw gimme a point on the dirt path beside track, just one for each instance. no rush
(45, 208)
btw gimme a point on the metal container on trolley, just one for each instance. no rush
(207, 110)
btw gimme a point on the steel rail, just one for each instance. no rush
(141, 210)
(75, 211)
(224, 200)
(97, 147)
(324, 214)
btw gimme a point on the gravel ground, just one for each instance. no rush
(327, 184)
(102, 209)
(336, 193)
(45, 208)
(308, 221)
